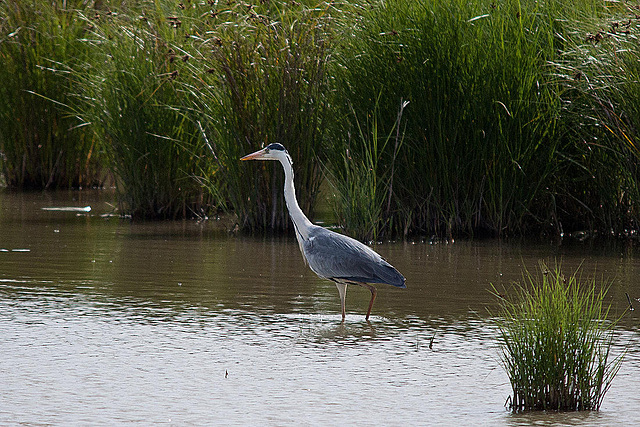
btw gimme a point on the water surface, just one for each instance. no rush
(104, 320)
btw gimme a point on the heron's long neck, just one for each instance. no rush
(298, 217)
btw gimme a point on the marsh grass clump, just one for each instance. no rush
(490, 147)
(523, 115)
(600, 70)
(363, 180)
(136, 104)
(480, 132)
(41, 145)
(556, 341)
(267, 82)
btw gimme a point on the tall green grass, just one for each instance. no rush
(522, 114)
(267, 83)
(41, 145)
(599, 68)
(136, 104)
(363, 182)
(486, 146)
(178, 92)
(556, 339)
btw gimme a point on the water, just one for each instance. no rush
(178, 323)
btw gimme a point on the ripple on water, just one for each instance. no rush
(113, 322)
(75, 357)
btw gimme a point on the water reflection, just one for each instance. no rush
(180, 323)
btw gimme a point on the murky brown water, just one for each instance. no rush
(179, 323)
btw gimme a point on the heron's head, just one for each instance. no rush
(273, 151)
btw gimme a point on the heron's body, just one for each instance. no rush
(338, 257)
(331, 255)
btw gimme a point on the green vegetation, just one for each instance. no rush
(362, 180)
(490, 144)
(40, 145)
(601, 76)
(136, 104)
(443, 118)
(556, 342)
(271, 85)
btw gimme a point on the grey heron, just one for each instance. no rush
(330, 255)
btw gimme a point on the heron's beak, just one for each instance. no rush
(255, 156)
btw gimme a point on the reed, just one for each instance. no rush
(486, 149)
(267, 82)
(556, 342)
(599, 71)
(522, 114)
(41, 146)
(136, 104)
(363, 180)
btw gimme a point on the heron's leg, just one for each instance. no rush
(342, 289)
(374, 292)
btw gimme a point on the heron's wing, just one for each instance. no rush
(336, 256)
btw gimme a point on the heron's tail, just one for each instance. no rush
(387, 274)
(394, 278)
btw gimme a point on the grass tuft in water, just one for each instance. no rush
(556, 342)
